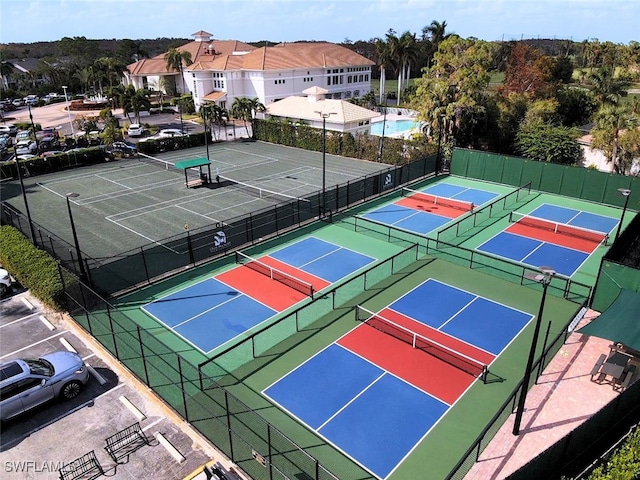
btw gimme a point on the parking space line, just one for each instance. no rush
(152, 424)
(4, 446)
(34, 344)
(19, 320)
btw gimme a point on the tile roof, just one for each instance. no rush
(236, 55)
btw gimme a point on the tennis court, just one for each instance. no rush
(134, 202)
(215, 310)
(552, 235)
(378, 391)
(425, 210)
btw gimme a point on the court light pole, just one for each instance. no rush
(33, 127)
(83, 272)
(544, 278)
(324, 116)
(625, 192)
(24, 196)
(66, 99)
(384, 124)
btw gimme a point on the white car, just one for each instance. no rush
(8, 129)
(5, 281)
(135, 130)
(26, 147)
(169, 132)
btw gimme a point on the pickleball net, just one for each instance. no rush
(544, 224)
(437, 200)
(433, 348)
(275, 274)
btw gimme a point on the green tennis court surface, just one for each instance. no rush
(130, 203)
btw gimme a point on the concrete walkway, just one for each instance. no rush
(564, 398)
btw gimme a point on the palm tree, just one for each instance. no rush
(174, 60)
(244, 109)
(408, 53)
(219, 116)
(607, 90)
(436, 34)
(611, 121)
(84, 76)
(382, 50)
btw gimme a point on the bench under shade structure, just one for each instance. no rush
(192, 177)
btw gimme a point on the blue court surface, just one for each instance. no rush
(476, 320)
(374, 417)
(533, 252)
(323, 259)
(424, 222)
(456, 192)
(377, 418)
(210, 313)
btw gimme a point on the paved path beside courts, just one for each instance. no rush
(563, 398)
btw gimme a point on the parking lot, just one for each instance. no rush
(38, 443)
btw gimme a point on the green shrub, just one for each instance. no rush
(32, 267)
(624, 464)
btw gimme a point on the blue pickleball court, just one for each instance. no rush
(209, 313)
(374, 417)
(322, 259)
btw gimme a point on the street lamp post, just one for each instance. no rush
(83, 272)
(439, 152)
(625, 192)
(544, 278)
(384, 124)
(66, 99)
(33, 127)
(24, 196)
(324, 116)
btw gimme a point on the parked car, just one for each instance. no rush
(9, 129)
(28, 383)
(135, 130)
(124, 148)
(5, 281)
(23, 135)
(25, 147)
(170, 132)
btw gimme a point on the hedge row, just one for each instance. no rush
(32, 267)
(395, 151)
(624, 464)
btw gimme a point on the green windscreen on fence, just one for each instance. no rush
(569, 181)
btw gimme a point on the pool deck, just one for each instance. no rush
(563, 398)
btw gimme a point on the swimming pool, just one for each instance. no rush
(394, 127)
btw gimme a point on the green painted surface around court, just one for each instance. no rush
(444, 445)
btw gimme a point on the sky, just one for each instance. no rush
(27, 21)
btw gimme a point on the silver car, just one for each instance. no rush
(28, 383)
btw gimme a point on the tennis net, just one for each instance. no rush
(433, 348)
(263, 192)
(437, 200)
(166, 165)
(558, 227)
(275, 274)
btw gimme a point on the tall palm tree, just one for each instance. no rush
(84, 76)
(611, 121)
(244, 109)
(436, 34)
(219, 117)
(174, 60)
(382, 51)
(607, 89)
(408, 55)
